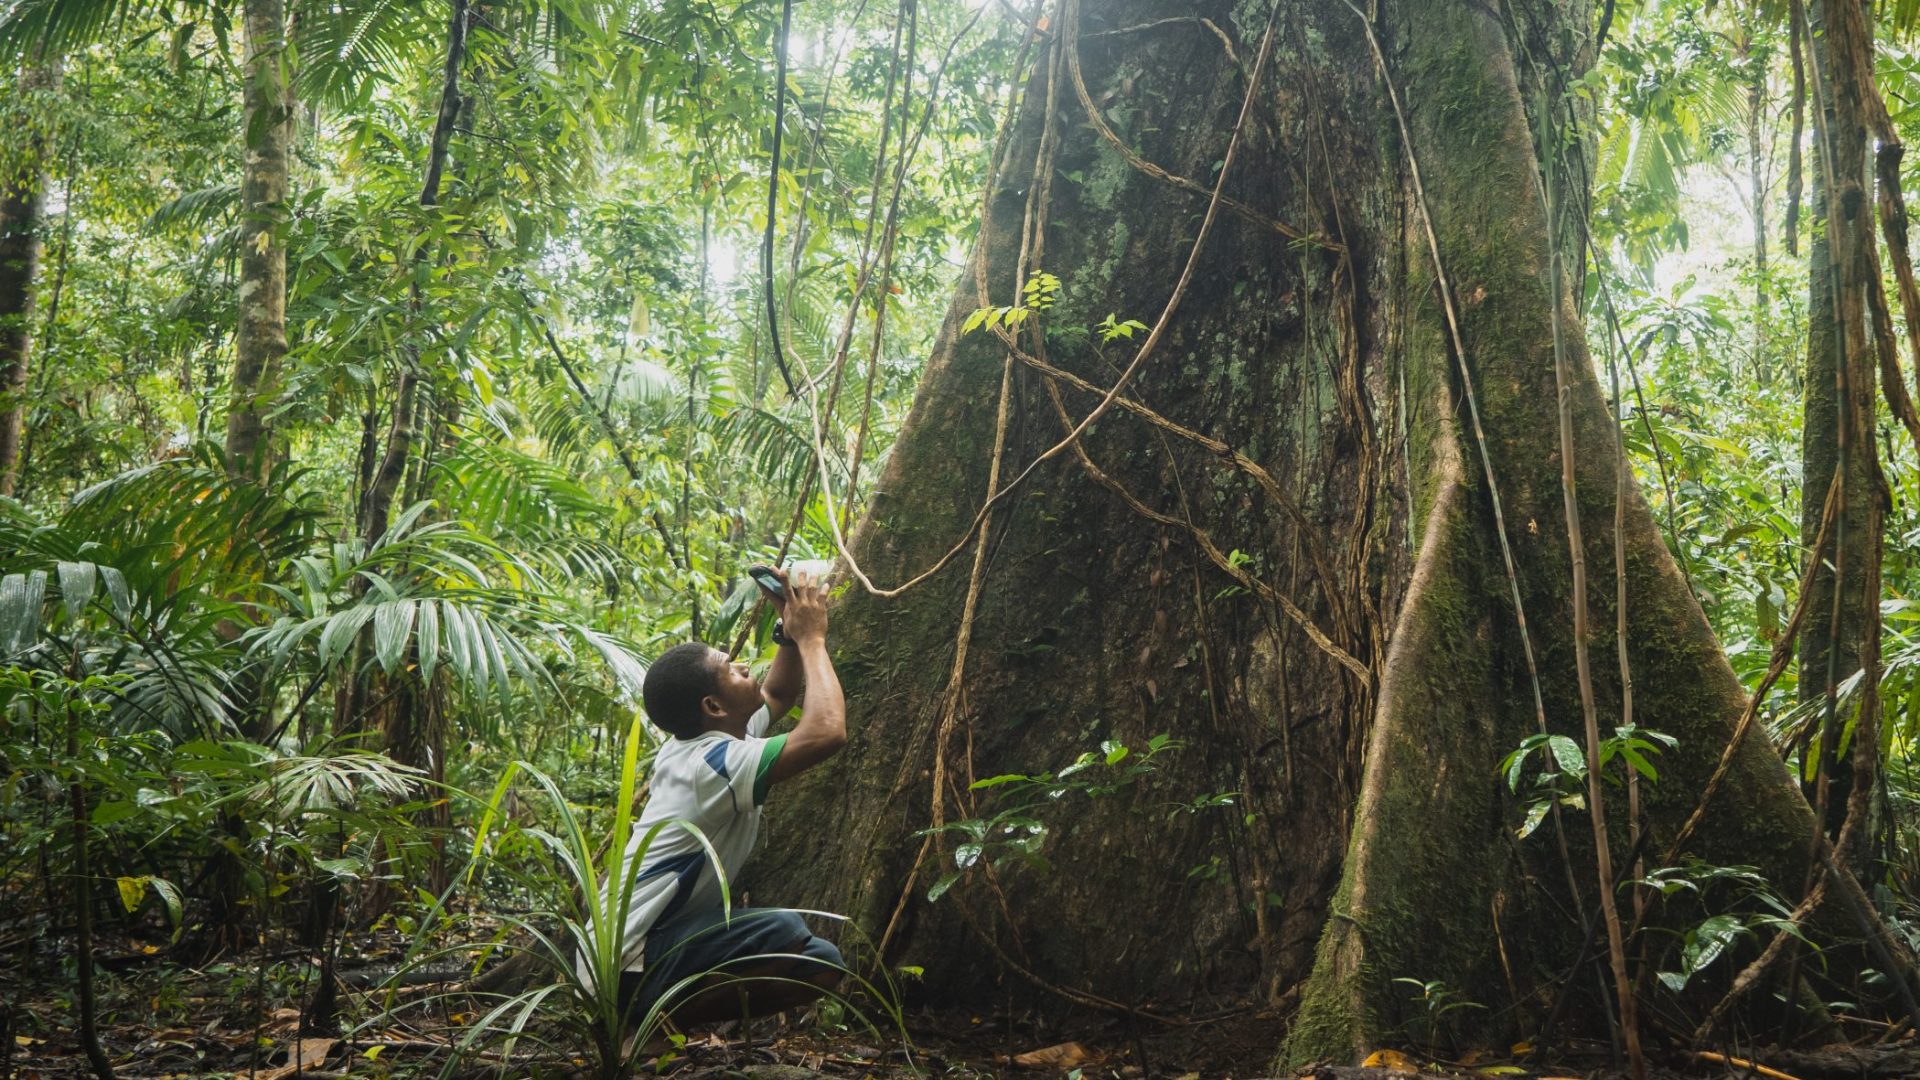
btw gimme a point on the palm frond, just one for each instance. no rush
(639, 382)
(57, 27)
(197, 208)
(500, 488)
(187, 511)
(434, 595)
(347, 48)
(778, 448)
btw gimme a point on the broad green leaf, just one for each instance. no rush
(77, 583)
(427, 639)
(996, 781)
(176, 909)
(1568, 755)
(1536, 813)
(1707, 941)
(20, 598)
(940, 887)
(338, 634)
(113, 810)
(392, 626)
(1640, 764)
(117, 591)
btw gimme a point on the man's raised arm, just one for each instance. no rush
(822, 729)
(785, 678)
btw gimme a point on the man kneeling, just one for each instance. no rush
(714, 775)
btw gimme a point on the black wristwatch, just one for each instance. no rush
(780, 633)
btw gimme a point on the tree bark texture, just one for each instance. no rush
(260, 340)
(1839, 403)
(23, 201)
(1369, 836)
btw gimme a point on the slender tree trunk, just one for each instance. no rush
(377, 504)
(1315, 455)
(260, 340)
(1757, 147)
(359, 690)
(83, 910)
(23, 200)
(260, 343)
(1838, 429)
(414, 727)
(414, 724)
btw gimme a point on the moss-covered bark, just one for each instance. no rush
(23, 200)
(1096, 624)
(260, 335)
(1368, 818)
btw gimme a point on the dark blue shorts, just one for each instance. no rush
(695, 942)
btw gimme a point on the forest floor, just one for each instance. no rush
(240, 1018)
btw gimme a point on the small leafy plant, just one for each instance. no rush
(1014, 833)
(1437, 1004)
(1112, 329)
(1038, 295)
(1564, 775)
(1707, 941)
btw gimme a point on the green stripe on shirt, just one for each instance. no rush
(763, 776)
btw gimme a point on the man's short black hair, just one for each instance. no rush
(674, 686)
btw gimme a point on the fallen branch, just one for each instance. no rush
(1753, 1067)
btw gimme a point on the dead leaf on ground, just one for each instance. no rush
(304, 1054)
(1066, 1055)
(1390, 1060)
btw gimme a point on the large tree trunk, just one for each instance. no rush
(23, 201)
(260, 340)
(1368, 817)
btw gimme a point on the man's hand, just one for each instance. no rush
(784, 679)
(805, 613)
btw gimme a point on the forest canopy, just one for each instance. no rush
(1364, 536)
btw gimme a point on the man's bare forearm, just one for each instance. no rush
(826, 711)
(822, 729)
(784, 680)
